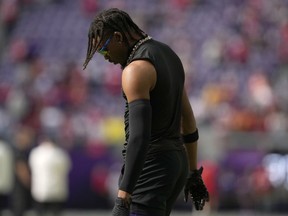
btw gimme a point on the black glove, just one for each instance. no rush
(197, 189)
(121, 207)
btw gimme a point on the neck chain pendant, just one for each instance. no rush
(136, 46)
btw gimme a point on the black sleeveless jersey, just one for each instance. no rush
(166, 96)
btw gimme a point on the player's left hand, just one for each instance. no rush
(197, 189)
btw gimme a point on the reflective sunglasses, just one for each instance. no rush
(103, 50)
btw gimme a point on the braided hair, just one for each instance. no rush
(110, 20)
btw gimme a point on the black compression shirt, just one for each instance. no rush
(166, 97)
(164, 115)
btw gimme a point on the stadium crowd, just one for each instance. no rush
(235, 53)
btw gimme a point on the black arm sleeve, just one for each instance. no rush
(140, 115)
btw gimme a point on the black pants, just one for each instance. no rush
(20, 200)
(48, 208)
(160, 183)
(3, 203)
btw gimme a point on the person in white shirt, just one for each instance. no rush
(6, 173)
(50, 166)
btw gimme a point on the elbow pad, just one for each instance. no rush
(140, 115)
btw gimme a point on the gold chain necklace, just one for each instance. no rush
(136, 46)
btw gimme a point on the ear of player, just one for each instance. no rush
(196, 188)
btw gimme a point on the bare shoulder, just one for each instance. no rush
(138, 79)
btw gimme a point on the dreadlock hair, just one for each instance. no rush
(110, 20)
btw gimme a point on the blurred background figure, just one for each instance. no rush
(6, 174)
(21, 196)
(50, 166)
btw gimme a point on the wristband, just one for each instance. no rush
(192, 137)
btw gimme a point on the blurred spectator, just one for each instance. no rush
(21, 197)
(283, 45)
(237, 49)
(50, 166)
(9, 12)
(18, 50)
(210, 178)
(89, 7)
(6, 173)
(260, 91)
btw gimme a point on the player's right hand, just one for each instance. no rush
(121, 207)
